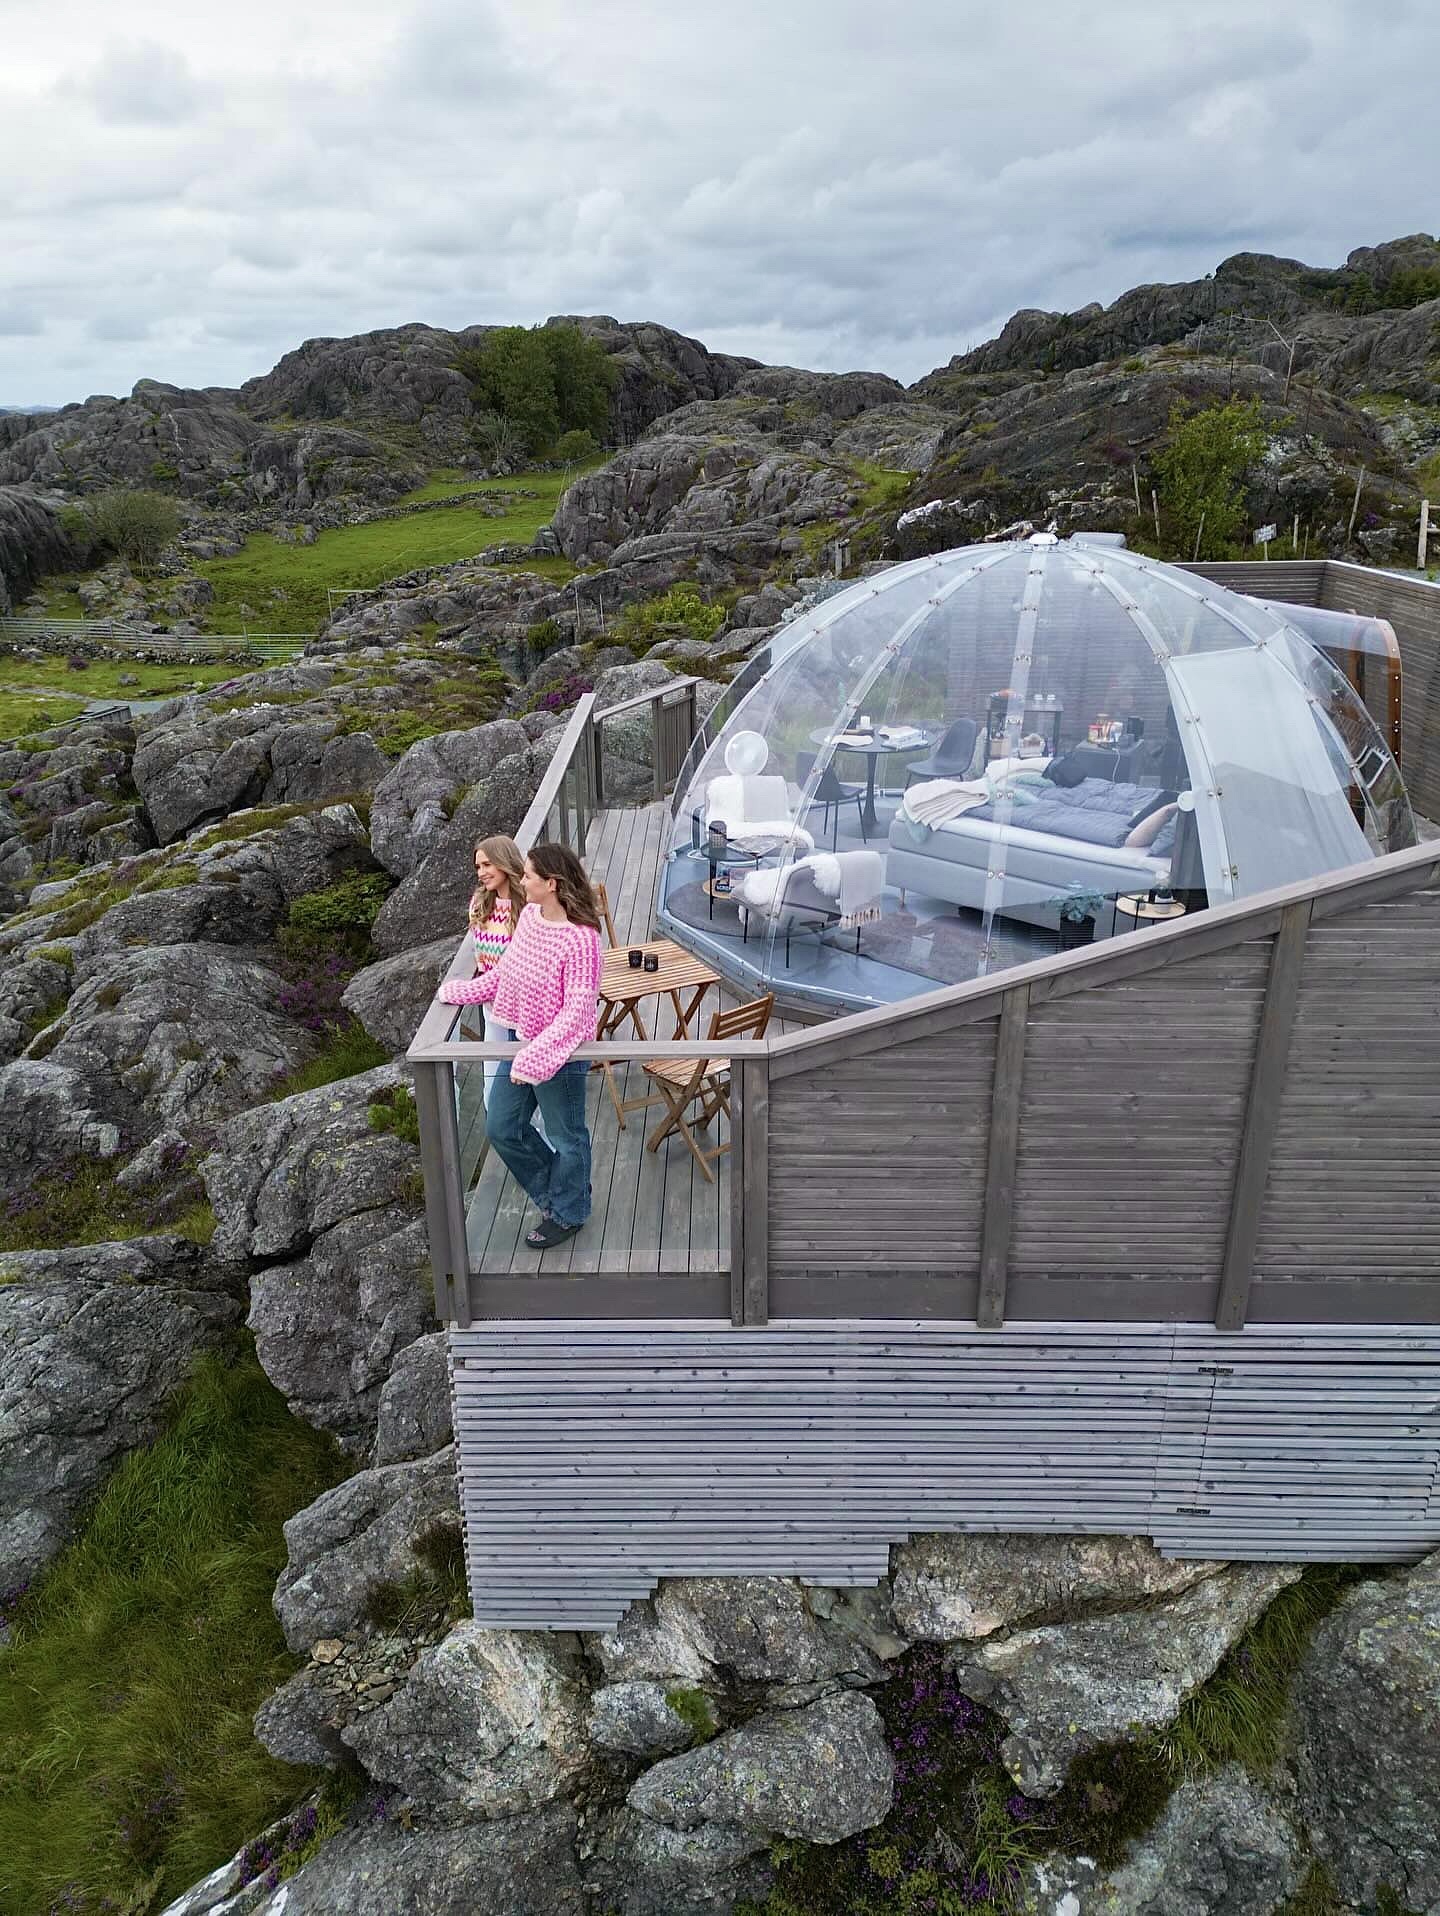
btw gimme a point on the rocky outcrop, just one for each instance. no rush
(32, 540)
(820, 1773)
(378, 1867)
(431, 903)
(761, 1629)
(30, 993)
(951, 1588)
(414, 1416)
(489, 1723)
(356, 1539)
(1222, 1846)
(329, 1327)
(146, 1023)
(160, 436)
(416, 797)
(694, 486)
(50, 1117)
(1367, 1757)
(283, 1174)
(391, 997)
(641, 1719)
(1067, 1687)
(85, 1370)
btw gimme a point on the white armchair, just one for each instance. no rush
(755, 809)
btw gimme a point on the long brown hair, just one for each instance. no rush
(505, 855)
(572, 887)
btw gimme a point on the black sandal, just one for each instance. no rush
(549, 1231)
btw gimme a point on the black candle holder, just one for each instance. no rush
(637, 958)
(652, 961)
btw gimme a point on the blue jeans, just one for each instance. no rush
(556, 1176)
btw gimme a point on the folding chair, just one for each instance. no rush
(602, 899)
(681, 1082)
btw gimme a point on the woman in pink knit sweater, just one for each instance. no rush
(543, 991)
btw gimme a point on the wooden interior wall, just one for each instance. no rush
(1413, 608)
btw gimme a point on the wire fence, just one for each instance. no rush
(160, 645)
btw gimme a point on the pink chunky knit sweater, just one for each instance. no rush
(544, 986)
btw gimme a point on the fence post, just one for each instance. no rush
(657, 743)
(444, 1197)
(750, 1192)
(999, 1217)
(1262, 1115)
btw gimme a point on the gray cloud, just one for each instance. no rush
(828, 184)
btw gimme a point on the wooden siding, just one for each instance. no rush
(1352, 1191)
(597, 1458)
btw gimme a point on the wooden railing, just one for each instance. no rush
(564, 804)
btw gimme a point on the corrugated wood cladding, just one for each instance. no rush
(1359, 1115)
(852, 1144)
(597, 1458)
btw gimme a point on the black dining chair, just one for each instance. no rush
(830, 792)
(952, 757)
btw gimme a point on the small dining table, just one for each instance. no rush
(679, 976)
(872, 747)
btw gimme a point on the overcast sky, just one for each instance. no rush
(190, 191)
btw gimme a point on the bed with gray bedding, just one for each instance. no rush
(1067, 837)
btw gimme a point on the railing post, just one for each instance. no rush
(444, 1197)
(1005, 1095)
(1262, 1115)
(657, 743)
(750, 1192)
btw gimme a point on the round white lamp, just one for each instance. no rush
(746, 754)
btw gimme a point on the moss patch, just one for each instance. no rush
(394, 1111)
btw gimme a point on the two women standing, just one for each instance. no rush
(539, 983)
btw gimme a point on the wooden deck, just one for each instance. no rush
(654, 1212)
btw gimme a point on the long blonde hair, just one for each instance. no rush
(505, 855)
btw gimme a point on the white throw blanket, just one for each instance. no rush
(940, 799)
(853, 879)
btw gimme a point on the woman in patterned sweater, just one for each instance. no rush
(543, 990)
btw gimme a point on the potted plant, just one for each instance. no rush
(1077, 906)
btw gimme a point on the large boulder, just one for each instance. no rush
(415, 1415)
(1067, 1687)
(147, 1021)
(33, 539)
(283, 1174)
(29, 993)
(759, 1629)
(85, 1371)
(191, 770)
(379, 1866)
(416, 797)
(489, 1723)
(1222, 1847)
(314, 761)
(641, 1719)
(819, 1773)
(329, 1326)
(950, 1588)
(357, 1538)
(391, 997)
(50, 1117)
(1366, 1731)
(637, 1867)
(431, 902)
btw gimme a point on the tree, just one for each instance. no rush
(1202, 472)
(543, 381)
(135, 526)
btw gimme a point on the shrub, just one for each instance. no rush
(136, 526)
(639, 625)
(394, 1111)
(1202, 472)
(434, 1592)
(336, 920)
(128, 1768)
(576, 447)
(539, 382)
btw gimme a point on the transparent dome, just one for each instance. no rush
(965, 761)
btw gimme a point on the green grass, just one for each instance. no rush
(350, 558)
(348, 1052)
(101, 677)
(128, 1768)
(22, 713)
(86, 1206)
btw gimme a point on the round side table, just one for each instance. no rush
(1140, 910)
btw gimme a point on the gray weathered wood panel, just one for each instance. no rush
(1351, 1191)
(597, 1457)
